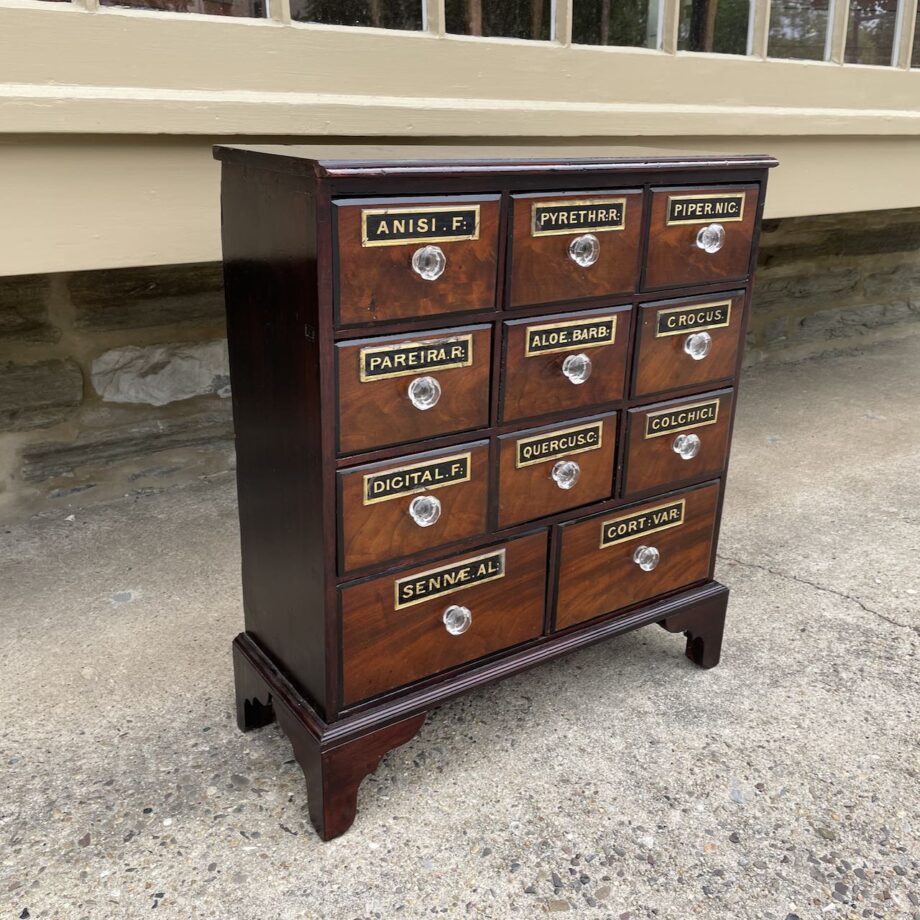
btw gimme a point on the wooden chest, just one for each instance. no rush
(483, 414)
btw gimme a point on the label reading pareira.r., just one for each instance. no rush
(397, 226)
(681, 418)
(548, 338)
(379, 361)
(696, 318)
(415, 589)
(590, 215)
(701, 209)
(420, 477)
(640, 523)
(556, 444)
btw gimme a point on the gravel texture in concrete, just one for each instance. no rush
(621, 782)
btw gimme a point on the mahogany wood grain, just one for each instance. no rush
(703, 626)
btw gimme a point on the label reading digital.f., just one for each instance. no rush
(397, 226)
(406, 358)
(590, 215)
(641, 523)
(416, 589)
(420, 477)
(556, 444)
(681, 418)
(693, 319)
(701, 209)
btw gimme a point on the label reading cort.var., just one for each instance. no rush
(408, 358)
(640, 523)
(420, 477)
(548, 338)
(556, 444)
(696, 318)
(700, 209)
(415, 589)
(395, 226)
(590, 215)
(681, 418)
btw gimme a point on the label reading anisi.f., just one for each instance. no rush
(590, 215)
(416, 589)
(681, 418)
(696, 318)
(407, 358)
(556, 444)
(700, 209)
(420, 477)
(397, 226)
(548, 338)
(641, 523)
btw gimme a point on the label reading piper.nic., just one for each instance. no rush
(420, 477)
(679, 419)
(415, 589)
(556, 444)
(390, 227)
(700, 209)
(641, 523)
(583, 333)
(406, 358)
(693, 319)
(595, 215)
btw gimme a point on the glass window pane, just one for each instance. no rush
(254, 8)
(798, 29)
(714, 25)
(630, 23)
(915, 57)
(506, 18)
(870, 31)
(381, 14)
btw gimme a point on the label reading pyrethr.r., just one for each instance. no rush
(548, 338)
(396, 226)
(589, 215)
(701, 209)
(695, 318)
(406, 358)
(420, 477)
(556, 444)
(642, 523)
(416, 589)
(668, 421)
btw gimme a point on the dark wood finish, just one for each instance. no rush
(529, 492)
(540, 268)
(377, 283)
(383, 530)
(652, 463)
(595, 579)
(673, 257)
(377, 412)
(703, 626)
(383, 647)
(661, 362)
(534, 385)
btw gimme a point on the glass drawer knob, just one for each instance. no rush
(425, 510)
(424, 392)
(457, 620)
(711, 239)
(565, 473)
(687, 445)
(584, 250)
(577, 368)
(429, 262)
(646, 557)
(698, 345)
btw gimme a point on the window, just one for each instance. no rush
(381, 14)
(870, 32)
(798, 29)
(714, 25)
(252, 8)
(915, 55)
(629, 23)
(507, 18)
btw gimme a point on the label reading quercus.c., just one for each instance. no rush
(668, 421)
(556, 444)
(420, 477)
(416, 589)
(594, 215)
(640, 523)
(700, 209)
(406, 358)
(695, 318)
(548, 338)
(396, 226)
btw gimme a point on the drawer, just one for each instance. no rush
(402, 388)
(402, 627)
(673, 442)
(550, 469)
(407, 505)
(566, 361)
(402, 257)
(687, 342)
(569, 245)
(601, 568)
(698, 235)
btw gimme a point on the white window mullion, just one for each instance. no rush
(561, 31)
(837, 33)
(759, 34)
(904, 35)
(433, 17)
(670, 25)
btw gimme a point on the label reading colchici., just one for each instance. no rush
(420, 477)
(396, 226)
(408, 358)
(693, 319)
(582, 333)
(630, 526)
(415, 589)
(681, 418)
(591, 215)
(701, 209)
(556, 444)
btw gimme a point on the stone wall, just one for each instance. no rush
(115, 382)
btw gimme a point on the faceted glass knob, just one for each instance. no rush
(584, 250)
(565, 473)
(425, 510)
(711, 239)
(457, 620)
(646, 557)
(424, 392)
(577, 368)
(687, 445)
(698, 345)
(429, 262)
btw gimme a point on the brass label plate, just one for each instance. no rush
(417, 477)
(681, 418)
(405, 359)
(642, 523)
(586, 215)
(401, 226)
(683, 320)
(702, 209)
(556, 444)
(548, 338)
(448, 579)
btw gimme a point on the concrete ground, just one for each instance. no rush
(620, 782)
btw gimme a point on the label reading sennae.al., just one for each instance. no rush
(420, 477)
(394, 226)
(581, 333)
(594, 215)
(640, 523)
(681, 418)
(696, 318)
(556, 444)
(415, 589)
(700, 209)
(405, 358)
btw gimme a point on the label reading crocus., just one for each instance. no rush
(639, 523)
(415, 589)
(696, 318)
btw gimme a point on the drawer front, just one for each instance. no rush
(397, 629)
(670, 443)
(599, 564)
(547, 239)
(687, 342)
(566, 361)
(404, 257)
(698, 235)
(536, 469)
(404, 388)
(407, 505)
